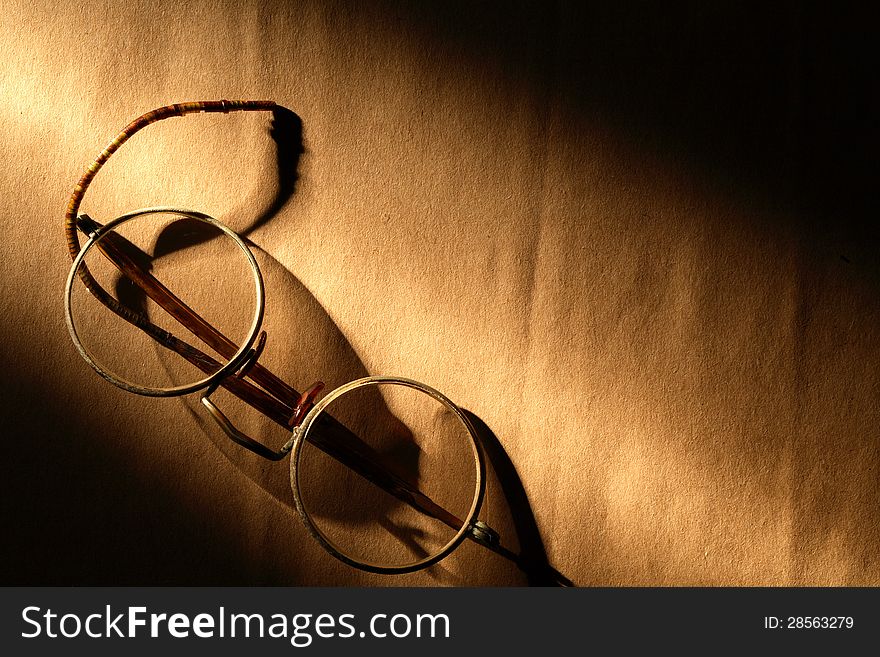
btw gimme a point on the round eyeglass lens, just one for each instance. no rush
(188, 294)
(423, 449)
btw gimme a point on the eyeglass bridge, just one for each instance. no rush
(300, 409)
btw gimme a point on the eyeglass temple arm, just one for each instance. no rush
(70, 216)
(168, 111)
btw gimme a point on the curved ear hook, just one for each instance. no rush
(168, 111)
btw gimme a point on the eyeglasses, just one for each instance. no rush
(343, 476)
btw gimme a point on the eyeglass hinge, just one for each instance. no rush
(483, 533)
(87, 225)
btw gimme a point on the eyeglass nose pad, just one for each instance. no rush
(305, 404)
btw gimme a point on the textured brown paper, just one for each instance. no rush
(635, 246)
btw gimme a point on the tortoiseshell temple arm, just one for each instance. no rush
(70, 216)
(168, 111)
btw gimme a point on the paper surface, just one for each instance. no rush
(614, 238)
